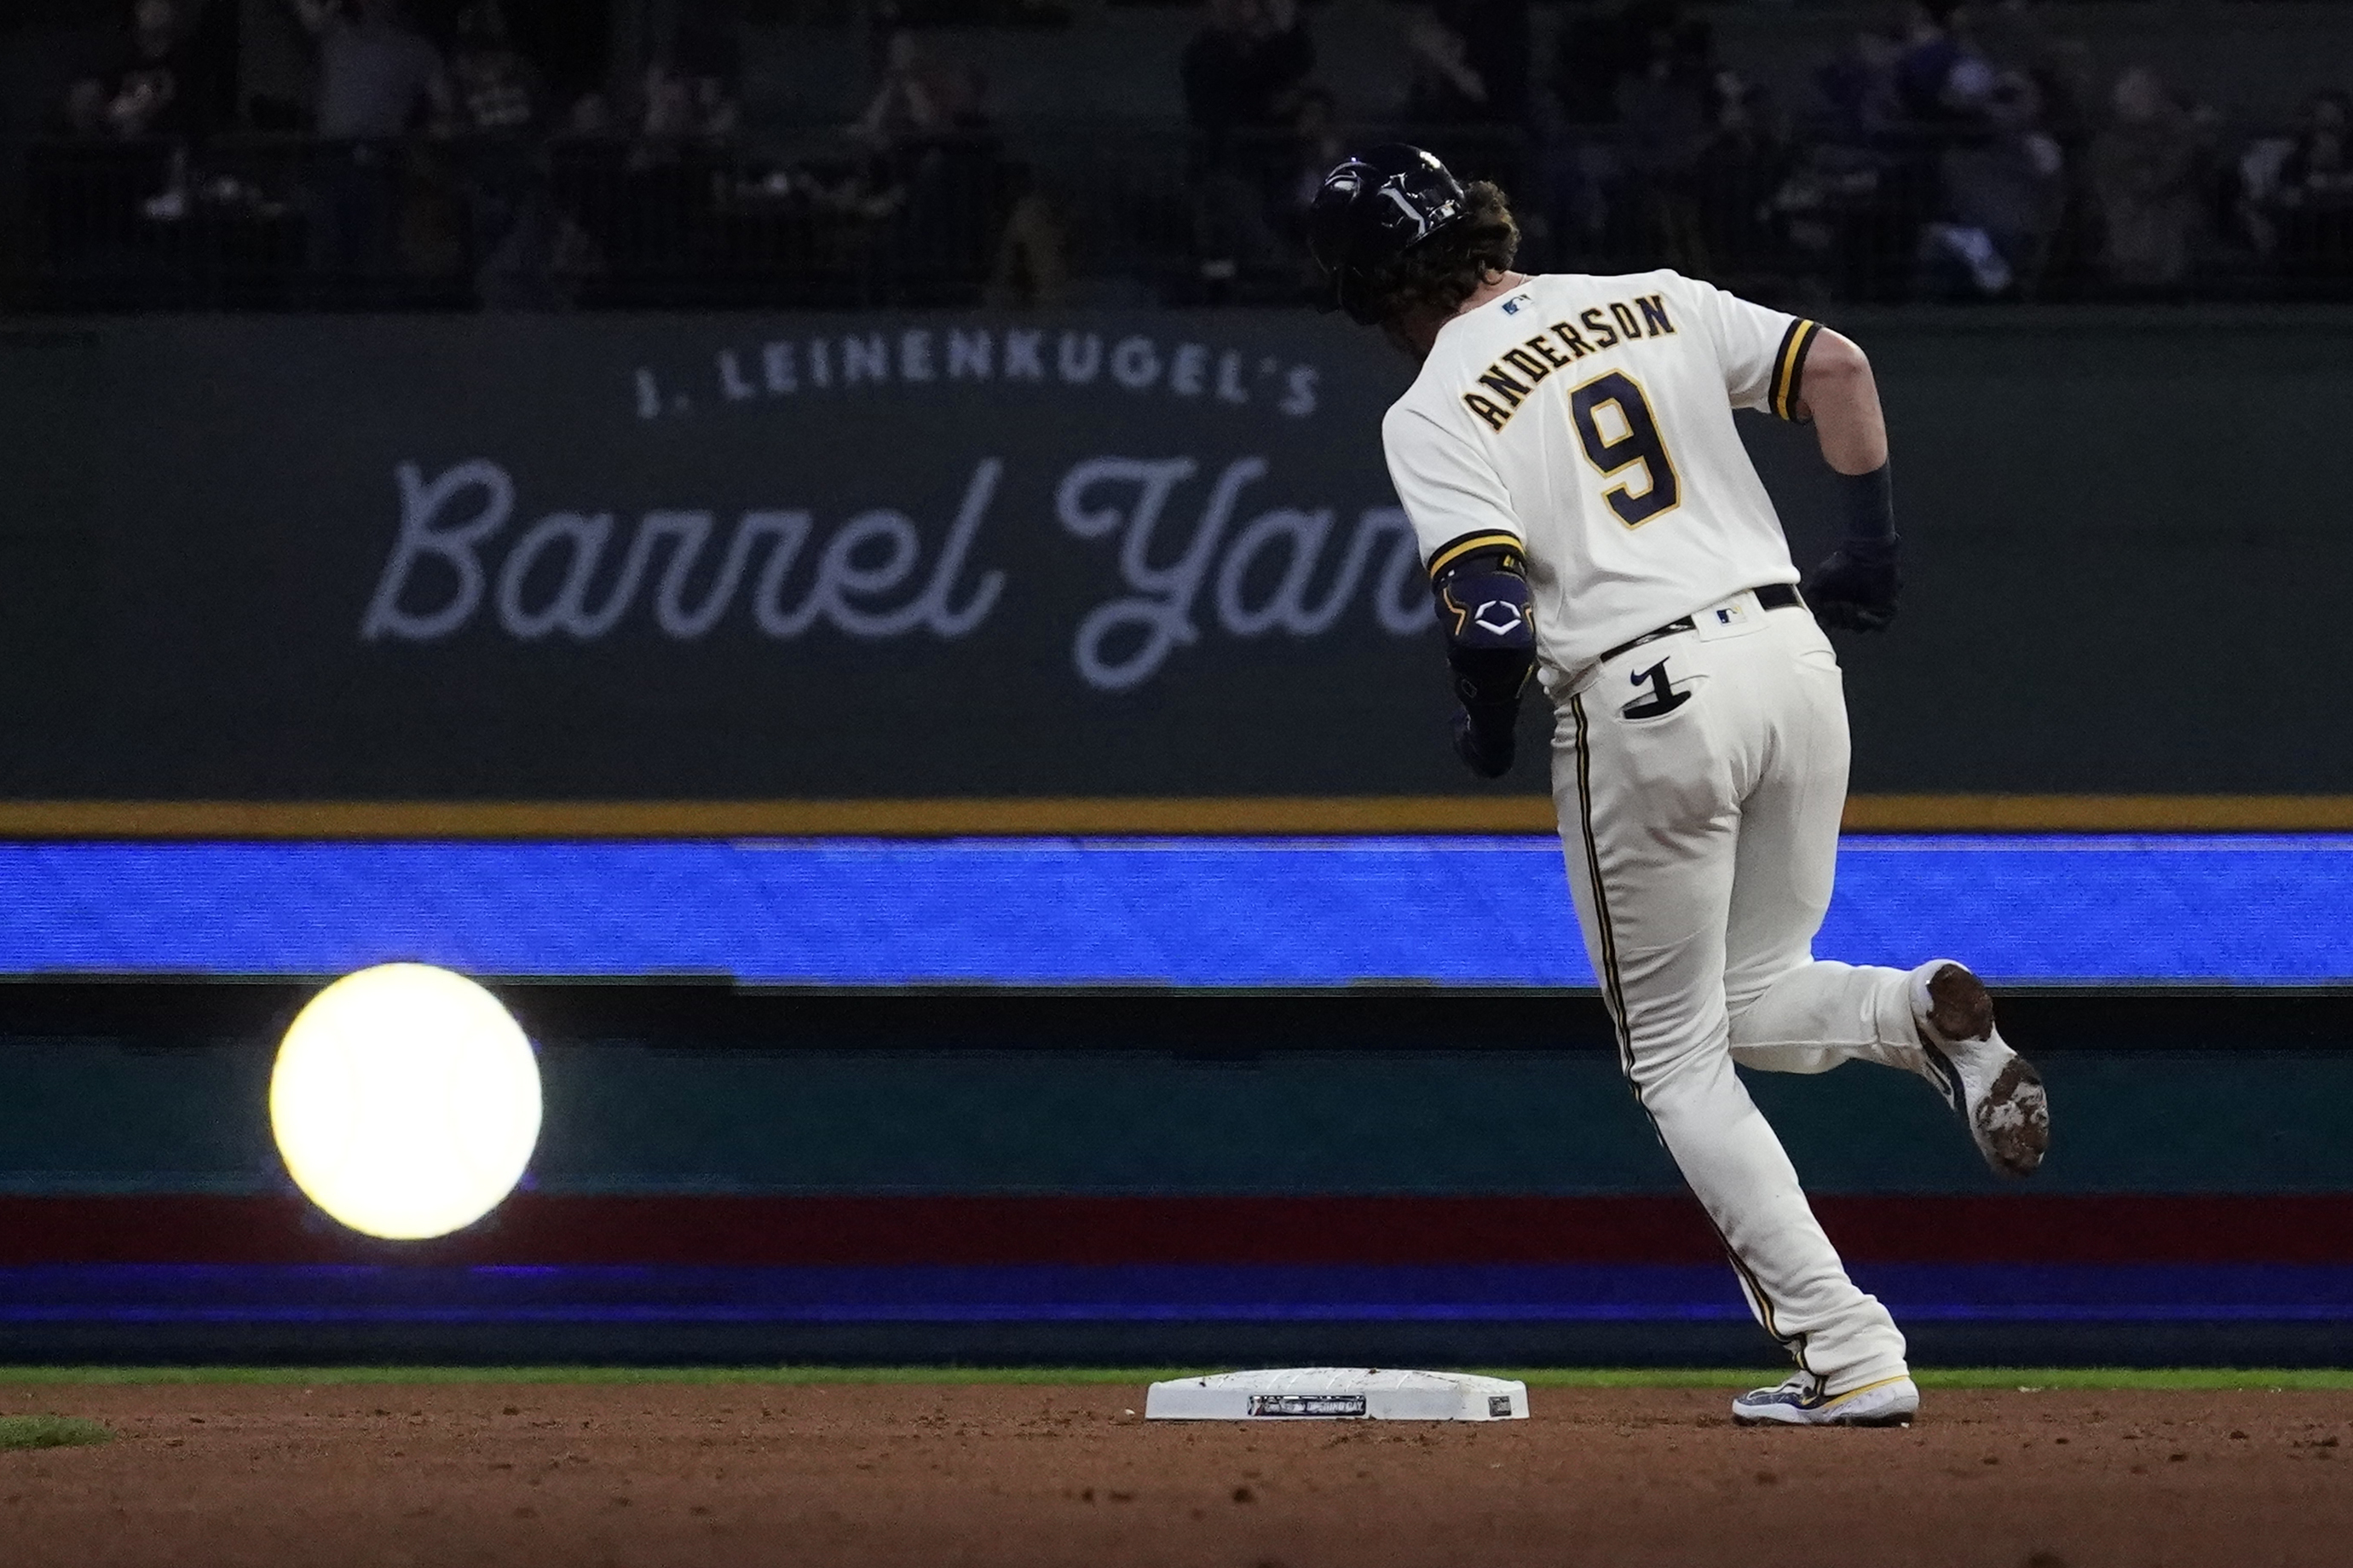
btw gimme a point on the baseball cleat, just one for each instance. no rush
(1993, 1090)
(1800, 1402)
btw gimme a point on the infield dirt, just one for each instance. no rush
(728, 1476)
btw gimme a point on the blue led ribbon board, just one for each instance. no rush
(1486, 912)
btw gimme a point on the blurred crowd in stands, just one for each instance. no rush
(1956, 152)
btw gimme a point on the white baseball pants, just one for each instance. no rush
(1700, 779)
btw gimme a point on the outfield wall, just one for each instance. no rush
(1323, 912)
(735, 558)
(1050, 1177)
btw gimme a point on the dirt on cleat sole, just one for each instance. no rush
(1959, 1006)
(2014, 1119)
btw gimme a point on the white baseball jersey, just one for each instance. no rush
(1588, 419)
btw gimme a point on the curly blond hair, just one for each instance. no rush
(1435, 277)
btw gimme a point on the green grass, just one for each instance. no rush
(2317, 1379)
(50, 1432)
(2034, 1379)
(2027, 1379)
(327, 1376)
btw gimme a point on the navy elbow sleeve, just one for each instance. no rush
(1491, 643)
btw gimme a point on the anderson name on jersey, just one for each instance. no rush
(1589, 420)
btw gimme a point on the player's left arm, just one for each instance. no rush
(1856, 588)
(1472, 544)
(1490, 648)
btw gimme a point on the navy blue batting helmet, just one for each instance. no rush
(1373, 208)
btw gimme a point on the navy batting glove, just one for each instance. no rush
(1855, 589)
(1484, 738)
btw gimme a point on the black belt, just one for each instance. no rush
(1772, 595)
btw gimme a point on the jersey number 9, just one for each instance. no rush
(1633, 437)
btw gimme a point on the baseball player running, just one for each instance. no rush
(1568, 458)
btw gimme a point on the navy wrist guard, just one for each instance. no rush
(1867, 504)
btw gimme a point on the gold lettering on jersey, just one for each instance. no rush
(1619, 323)
(1494, 414)
(1527, 365)
(1545, 352)
(1499, 381)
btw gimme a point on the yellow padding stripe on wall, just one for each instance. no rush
(1274, 814)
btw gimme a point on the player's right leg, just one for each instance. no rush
(1792, 1013)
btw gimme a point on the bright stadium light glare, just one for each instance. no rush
(406, 1101)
